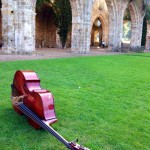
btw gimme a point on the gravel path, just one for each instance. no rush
(53, 53)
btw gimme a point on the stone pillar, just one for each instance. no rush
(147, 47)
(33, 20)
(136, 35)
(119, 31)
(8, 28)
(18, 26)
(75, 36)
(25, 29)
(112, 33)
(81, 24)
(116, 10)
(136, 26)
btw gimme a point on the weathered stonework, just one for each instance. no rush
(100, 12)
(81, 25)
(113, 29)
(18, 24)
(137, 15)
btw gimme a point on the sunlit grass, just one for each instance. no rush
(103, 100)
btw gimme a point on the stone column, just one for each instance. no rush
(25, 31)
(119, 31)
(8, 29)
(112, 33)
(18, 26)
(137, 15)
(81, 24)
(116, 10)
(136, 26)
(33, 19)
(75, 36)
(136, 34)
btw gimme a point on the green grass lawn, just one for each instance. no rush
(102, 100)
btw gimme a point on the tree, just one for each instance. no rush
(144, 32)
(145, 20)
(63, 16)
(63, 19)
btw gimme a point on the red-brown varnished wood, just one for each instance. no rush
(39, 100)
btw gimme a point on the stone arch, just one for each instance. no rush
(136, 25)
(116, 12)
(81, 23)
(104, 25)
(111, 5)
(18, 24)
(96, 33)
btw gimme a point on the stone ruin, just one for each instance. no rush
(20, 28)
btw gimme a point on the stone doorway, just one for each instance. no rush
(97, 32)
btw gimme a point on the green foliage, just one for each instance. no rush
(103, 100)
(147, 9)
(144, 32)
(63, 13)
(63, 17)
(127, 30)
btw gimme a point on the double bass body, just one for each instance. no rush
(39, 100)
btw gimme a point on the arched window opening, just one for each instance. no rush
(96, 37)
(45, 27)
(126, 27)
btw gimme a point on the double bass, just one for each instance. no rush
(37, 104)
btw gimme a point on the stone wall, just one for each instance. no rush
(18, 24)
